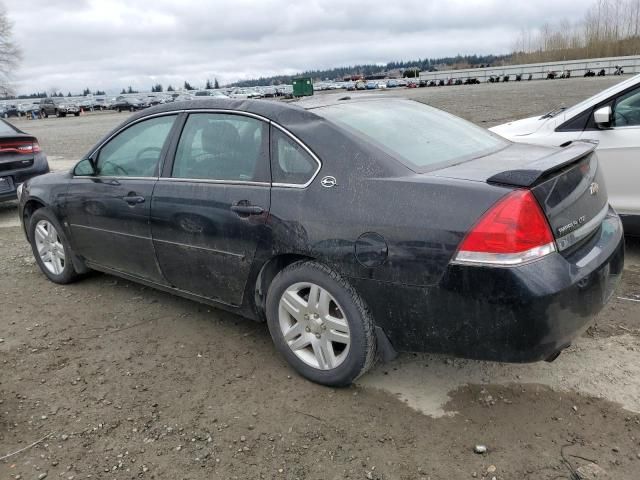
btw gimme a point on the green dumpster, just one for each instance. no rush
(302, 87)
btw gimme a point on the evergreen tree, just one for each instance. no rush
(170, 88)
(187, 86)
(123, 92)
(208, 86)
(216, 85)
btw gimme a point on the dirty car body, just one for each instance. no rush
(391, 222)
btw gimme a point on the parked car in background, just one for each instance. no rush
(455, 240)
(102, 104)
(60, 107)
(131, 104)
(20, 159)
(12, 110)
(612, 118)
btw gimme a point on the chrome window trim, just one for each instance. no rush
(223, 111)
(583, 231)
(114, 177)
(224, 182)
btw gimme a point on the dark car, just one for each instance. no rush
(60, 107)
(20, 159)
(130, 104)
(352, 227)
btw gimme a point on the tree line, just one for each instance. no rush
(610, 28)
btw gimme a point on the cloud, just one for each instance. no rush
(73, 44)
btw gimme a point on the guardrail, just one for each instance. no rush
(538, 71)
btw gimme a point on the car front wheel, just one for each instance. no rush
(320, 324)
(50, 247)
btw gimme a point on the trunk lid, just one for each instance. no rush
(17, 151)
(566, 182)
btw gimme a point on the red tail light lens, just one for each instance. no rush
(512, 232)
(19, 146)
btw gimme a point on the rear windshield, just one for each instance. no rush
(421, 137)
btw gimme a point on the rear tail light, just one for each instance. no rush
(20, 146)
(512, 232)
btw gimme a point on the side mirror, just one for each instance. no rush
(602, 117)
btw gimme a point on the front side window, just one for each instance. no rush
(421, 137)
(216, 146)
(135, 152)
(290, 163)
(626, 111)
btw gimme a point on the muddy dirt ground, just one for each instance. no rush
(117, 381)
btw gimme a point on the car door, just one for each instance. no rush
(108, 206)
(619, 151)
(210, 207)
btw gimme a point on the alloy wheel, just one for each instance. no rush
(50, 248)
(314, 325)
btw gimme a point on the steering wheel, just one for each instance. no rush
(146, 150)
(619, 115)
(115, 166)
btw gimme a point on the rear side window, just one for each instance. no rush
(216, 146)
(290, 163)
(421, 137)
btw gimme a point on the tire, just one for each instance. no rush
(342, 361)
(77, 114)
(57, 271)
(58, 114)
(131, 109)
(119, 110)
(44, 114)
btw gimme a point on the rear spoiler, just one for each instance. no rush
(536, 170)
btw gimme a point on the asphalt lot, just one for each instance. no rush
(125, 382)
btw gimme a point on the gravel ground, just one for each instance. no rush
(117, 381)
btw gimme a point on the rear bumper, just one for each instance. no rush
(522, 314)
(16, 177)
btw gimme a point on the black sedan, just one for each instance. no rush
(20, 159)
(353, 227)
(128, 104)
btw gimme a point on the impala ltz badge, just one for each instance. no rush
(328, 182)
(594, 188)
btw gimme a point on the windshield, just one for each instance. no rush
(421, 137)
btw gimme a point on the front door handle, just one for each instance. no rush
(133, 199)
(244, 209)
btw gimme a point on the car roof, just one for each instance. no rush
(282, 112)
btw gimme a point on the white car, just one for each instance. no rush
(612, 117)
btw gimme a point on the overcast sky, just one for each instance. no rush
(111, 44)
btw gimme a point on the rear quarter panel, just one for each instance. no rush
(422, 218)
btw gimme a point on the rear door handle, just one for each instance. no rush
(247, 209)
(133, 199)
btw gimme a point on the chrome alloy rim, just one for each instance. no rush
(49, 247)
(314, 325)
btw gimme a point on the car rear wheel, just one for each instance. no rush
(51, 248)
(44, 114)
(320, 324)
